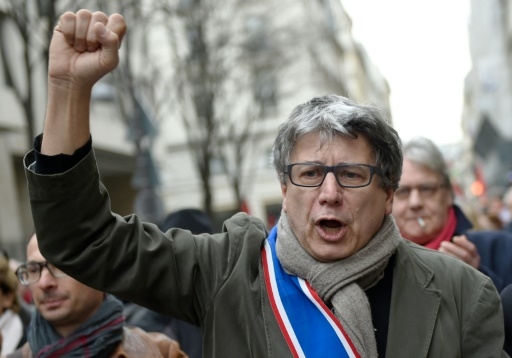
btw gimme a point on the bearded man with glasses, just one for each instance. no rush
(334, 278)
(426, 213)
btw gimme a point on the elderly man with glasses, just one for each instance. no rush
(74, 320)
(425, 212)
(333, 278)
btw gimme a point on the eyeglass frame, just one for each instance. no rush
(330, 169)
(434, 187)
(41, 265)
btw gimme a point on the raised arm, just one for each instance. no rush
(84, 48)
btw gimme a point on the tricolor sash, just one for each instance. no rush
(309, 327)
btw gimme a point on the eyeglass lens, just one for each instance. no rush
(347, 175)
(424, 191)
(31, 272)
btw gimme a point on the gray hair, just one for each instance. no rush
(423, 151)
(332, 115)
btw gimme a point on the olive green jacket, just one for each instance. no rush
(440, 307)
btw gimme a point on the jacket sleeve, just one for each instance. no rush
(498, 282)
(174, 273)
(482, 331)
(495, 250)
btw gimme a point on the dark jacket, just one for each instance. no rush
(494, 247)
(440, 307)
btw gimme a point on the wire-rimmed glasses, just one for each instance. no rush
(424, 190)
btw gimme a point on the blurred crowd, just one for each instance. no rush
(493, 210)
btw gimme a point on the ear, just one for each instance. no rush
(284, 189)
(390, 195)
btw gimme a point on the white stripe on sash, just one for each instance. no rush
(327, 314)
(333, 341)
(292, 338)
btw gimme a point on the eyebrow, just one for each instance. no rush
(334, 165)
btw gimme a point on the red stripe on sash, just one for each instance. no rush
(333, 317)
(284, 331)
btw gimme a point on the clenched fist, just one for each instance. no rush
(84, 47)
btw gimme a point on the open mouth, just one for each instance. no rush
(330, 226)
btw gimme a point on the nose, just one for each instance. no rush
(330, 190)
(415, 199)
(46, 280)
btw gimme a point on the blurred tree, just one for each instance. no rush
(32, 23)
(138, 105)
(226, 61)
(221, 77)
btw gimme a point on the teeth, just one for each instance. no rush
(331, 230)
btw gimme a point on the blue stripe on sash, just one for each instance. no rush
(316, 335)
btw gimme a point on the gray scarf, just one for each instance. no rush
(97, 337)
(343, 282)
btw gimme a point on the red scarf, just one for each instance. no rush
(446, 234)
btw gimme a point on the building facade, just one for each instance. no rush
(265, 57)
(487, 115)
(22, 86)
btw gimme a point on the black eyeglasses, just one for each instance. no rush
(347, 175)
(30, 272)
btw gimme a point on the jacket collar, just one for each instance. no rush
(463, 223)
